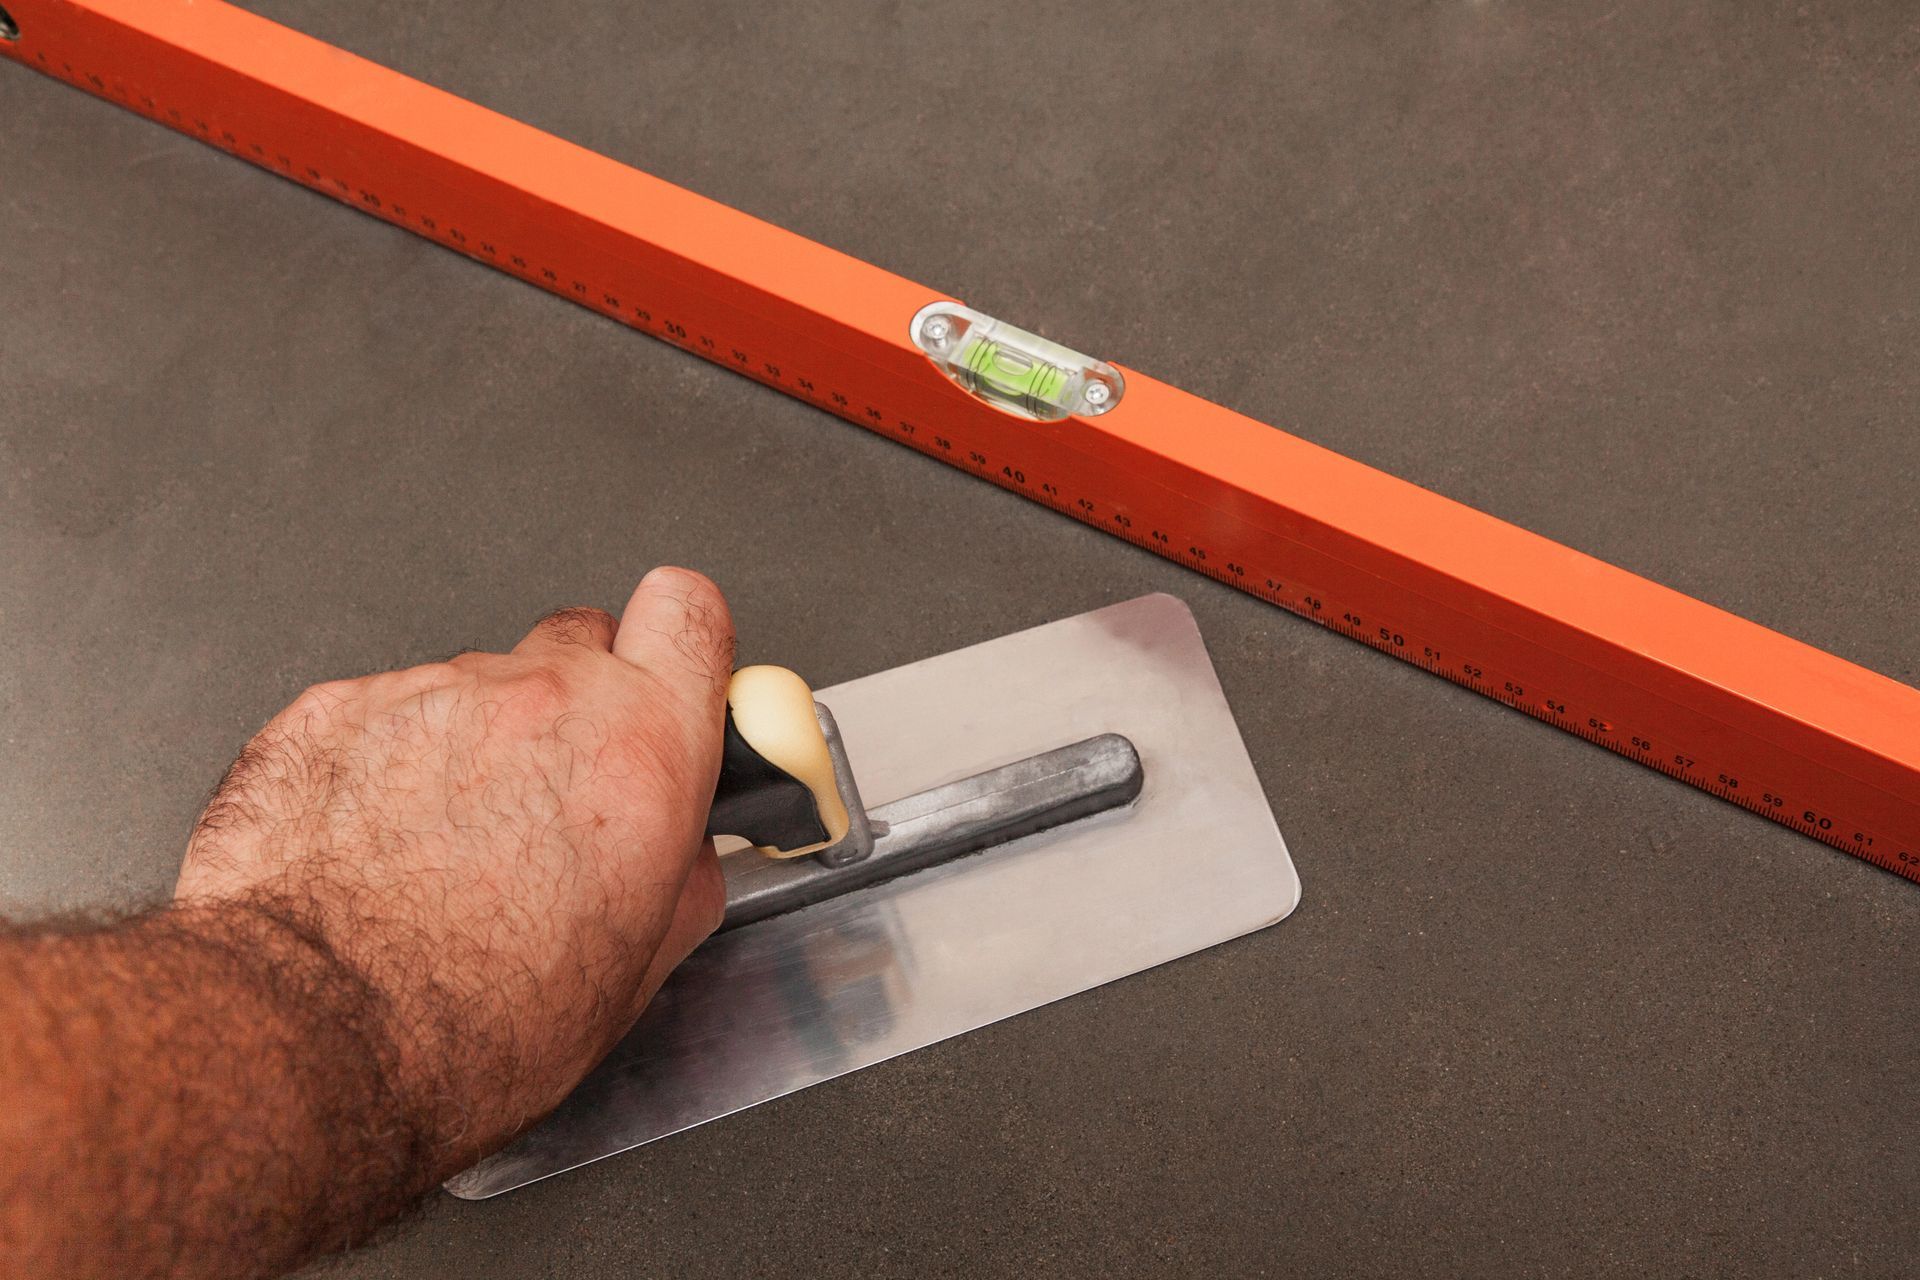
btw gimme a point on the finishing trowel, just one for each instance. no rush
(1064, 806)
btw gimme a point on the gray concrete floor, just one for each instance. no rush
(1639, 276)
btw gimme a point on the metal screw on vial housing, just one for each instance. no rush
(1017, 372)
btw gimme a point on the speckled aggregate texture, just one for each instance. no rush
(1639, 276)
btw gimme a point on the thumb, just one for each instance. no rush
(677, 628)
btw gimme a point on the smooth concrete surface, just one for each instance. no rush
(1639, 276)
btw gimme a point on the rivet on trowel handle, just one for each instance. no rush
(976, 813)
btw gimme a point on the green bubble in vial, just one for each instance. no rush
(1013, 374)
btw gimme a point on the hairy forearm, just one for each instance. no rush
(417, 910)
(203, 1090)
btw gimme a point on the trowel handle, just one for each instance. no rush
(777, 788)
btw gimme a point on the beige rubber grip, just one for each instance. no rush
(773, 710)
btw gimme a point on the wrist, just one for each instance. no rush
(333, 1030)
(209, 1088)
(429, 1062)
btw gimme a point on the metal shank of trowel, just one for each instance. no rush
(861, 828)
(1028, 796)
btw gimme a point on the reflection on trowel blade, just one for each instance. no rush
(835, 994)
(801, 997)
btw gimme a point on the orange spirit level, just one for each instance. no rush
(1780, 728)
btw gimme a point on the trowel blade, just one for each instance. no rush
(776, 1006)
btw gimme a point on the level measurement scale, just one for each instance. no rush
(1796, 735)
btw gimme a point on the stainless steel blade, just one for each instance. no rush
(761, 1011)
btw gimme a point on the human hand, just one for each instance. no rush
(506, 851)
